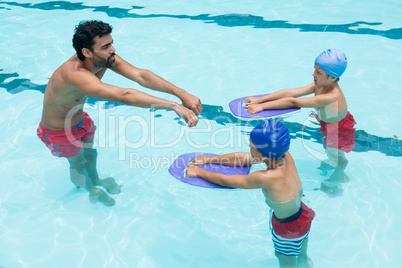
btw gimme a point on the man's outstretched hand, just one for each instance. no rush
(191, 102)
(188, 115)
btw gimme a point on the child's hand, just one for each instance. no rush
(254, 108)
(251, 100)
(192, 171)
(200, 160)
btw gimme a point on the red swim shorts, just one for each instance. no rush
(68, 142)
(289, 234)
(339, 135)
(296, 225)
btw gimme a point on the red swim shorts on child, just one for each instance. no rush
(289, 234)
(68, 142)
(340, 135)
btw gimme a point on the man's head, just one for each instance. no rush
(86, 34)
(271, 139)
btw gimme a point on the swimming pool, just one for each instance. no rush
(218, 50)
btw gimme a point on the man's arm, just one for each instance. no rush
(90, 85)
(150, 80)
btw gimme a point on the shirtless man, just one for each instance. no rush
(329, 101)
(68, 131)
(280, 184)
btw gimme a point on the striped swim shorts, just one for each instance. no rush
(289, 234)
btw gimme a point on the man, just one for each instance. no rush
(68, 131)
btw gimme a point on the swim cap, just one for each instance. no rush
(333, 62)
(271, 139)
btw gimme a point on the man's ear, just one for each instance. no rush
(87, 53)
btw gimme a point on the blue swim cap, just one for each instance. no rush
(333, 62)
(271, 139)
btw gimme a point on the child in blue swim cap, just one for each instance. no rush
(337, 123)
(280, 184)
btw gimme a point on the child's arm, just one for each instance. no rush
(284, 93)
(232, 159)
(289, 102)
(251, 181)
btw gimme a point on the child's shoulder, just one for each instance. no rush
(269, 174)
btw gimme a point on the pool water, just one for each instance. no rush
(219, 51)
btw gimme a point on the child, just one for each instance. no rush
(280, 183)
(335, 120)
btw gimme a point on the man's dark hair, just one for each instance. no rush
(85, 32)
